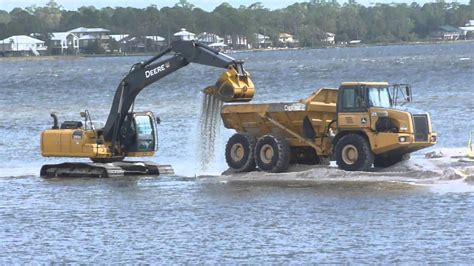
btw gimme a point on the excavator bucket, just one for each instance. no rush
(232, 87)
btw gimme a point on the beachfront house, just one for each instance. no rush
(92, 40)
(448, 33)
(237, 42)
(120, 38)
(154, 43)
(143, 44)
(209, 38)
(287, 40)
(22, 45)
(329, 38)
(64, 43)
(468, 29)
(118, 42)
(262, 41)
(185, 35)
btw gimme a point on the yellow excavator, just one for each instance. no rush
(134, 134)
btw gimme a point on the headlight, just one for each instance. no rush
(403, 127)
(433, 138)
(402, 139)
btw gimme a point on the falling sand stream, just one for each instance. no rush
(210, 124)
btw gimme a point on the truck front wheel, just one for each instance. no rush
(239, 152)
(272, 154)
(353, 153)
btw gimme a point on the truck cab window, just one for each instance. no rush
(354, 100)
(380, 97)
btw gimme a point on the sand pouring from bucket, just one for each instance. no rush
(470, 150)
(232, 87)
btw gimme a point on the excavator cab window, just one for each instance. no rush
(138, 133)
(145, 133)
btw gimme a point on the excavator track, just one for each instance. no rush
(105, 170)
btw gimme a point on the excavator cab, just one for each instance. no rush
(139, 135)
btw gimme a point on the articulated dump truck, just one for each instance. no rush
(358, 125)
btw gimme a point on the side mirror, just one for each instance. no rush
(83, 114)
(408, 93)
(158, 120)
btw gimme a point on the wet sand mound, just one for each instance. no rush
(446, 165)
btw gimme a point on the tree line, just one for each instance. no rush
(308, 21)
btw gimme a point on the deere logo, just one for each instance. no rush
(156, 70)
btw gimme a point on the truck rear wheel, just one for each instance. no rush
(272, 154)
(353, 153)
(239, 152)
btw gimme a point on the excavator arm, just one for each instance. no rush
(176, 56)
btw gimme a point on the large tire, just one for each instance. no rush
(353, 153)
(387, 161)
(272, 154)
(239, 152)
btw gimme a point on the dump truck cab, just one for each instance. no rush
(371, 110)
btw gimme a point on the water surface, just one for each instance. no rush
(207, 220)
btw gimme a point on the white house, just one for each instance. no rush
(64, 42)
(98, 33)
(287, 39)
(237, 42)
(468, 29)
(155, 38)
(120, 38)
(448, 32)
(330, 38)
(88, 35)
(209, 38)
(22, 44)
(262, 41)
(185, 35)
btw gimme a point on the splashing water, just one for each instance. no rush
(210, 125)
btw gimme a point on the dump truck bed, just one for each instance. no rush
(284, 119)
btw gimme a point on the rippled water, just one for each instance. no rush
(189, 219)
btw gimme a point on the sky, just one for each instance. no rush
(208, 5)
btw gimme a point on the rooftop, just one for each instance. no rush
(88, 37)
(285, 35)
(21, 39)
(155, 38)
(118, 37)
(88, 30)
(183, 32)
(449, 28)
(58, 36)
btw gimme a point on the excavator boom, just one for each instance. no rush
(145, 73)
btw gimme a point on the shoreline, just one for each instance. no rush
(82, 56)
